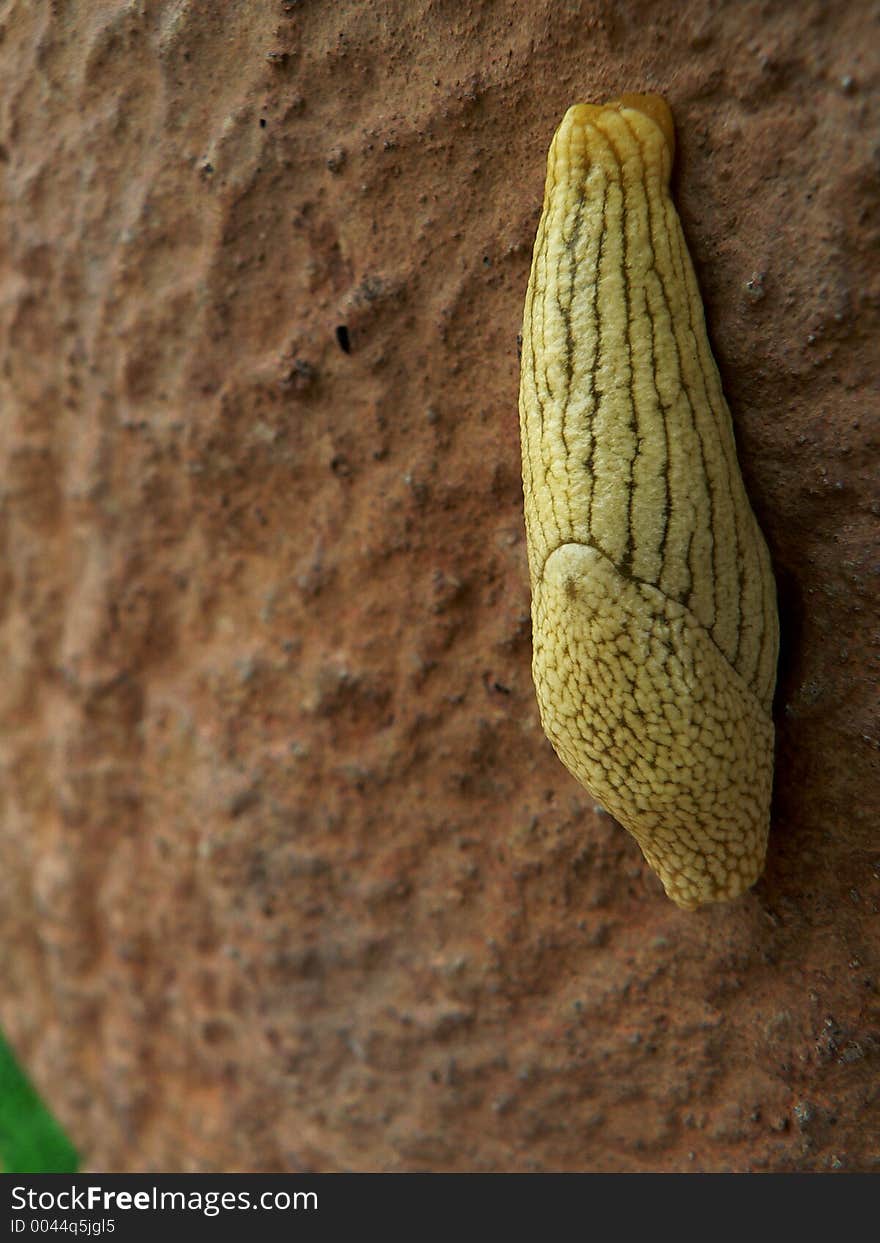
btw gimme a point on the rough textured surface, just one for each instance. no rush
(654, 627)
(290, 877)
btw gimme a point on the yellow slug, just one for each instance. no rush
(655, 635)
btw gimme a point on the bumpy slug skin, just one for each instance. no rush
(653, 604)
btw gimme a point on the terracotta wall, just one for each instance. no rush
(291, 879)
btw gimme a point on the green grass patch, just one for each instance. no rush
(31, 1141)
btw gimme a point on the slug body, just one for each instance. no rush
(655, 634)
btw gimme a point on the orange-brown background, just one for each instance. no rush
(290, 877)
